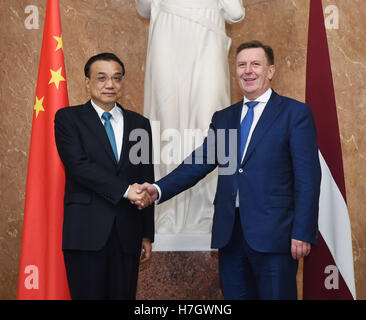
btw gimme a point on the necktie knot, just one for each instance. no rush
(106, 116)
(251, 104)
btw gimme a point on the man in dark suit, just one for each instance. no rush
(266, 209)
(104, 237)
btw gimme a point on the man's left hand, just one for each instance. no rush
(146, 250)
(141, 199)
(299, 249)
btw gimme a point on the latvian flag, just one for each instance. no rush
(328, 270)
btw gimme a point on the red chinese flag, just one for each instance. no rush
(328, 270)
(42, 272)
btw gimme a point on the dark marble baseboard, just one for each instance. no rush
(180, 276)
(185, 276)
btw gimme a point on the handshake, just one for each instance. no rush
(142, 195)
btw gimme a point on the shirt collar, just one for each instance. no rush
(116, 112)
(263, 98)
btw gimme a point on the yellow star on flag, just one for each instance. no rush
(56, 77)
(38, 106)
(59, 42)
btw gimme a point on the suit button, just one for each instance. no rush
(241, 170)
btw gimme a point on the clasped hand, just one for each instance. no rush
(142, 195)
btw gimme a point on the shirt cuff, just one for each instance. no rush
(126, 193)
(159, 191)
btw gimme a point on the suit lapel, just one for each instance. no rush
(270, 113)
(92, 121)
(234, 120)
(234, 123)
(126, 131)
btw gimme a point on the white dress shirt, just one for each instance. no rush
(257, 110)
(117, 125)
(116, 122)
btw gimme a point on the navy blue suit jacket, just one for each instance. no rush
(95, 182)
(278, 180)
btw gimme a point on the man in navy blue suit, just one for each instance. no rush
(266, 209)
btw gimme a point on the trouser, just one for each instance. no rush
(106, 274)
(247, 274)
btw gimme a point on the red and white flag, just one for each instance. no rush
(42, 272)
(328, 270)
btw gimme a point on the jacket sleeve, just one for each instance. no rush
(195, 167)
(307, 176)
(148, 173)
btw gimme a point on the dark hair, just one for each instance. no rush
(106, 56)
(257, 44)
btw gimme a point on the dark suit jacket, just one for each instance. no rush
(95, 182)
(278, 180)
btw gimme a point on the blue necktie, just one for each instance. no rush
(108, 128)
(246, 125)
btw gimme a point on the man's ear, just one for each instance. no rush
(271, 71)
(87, 84)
